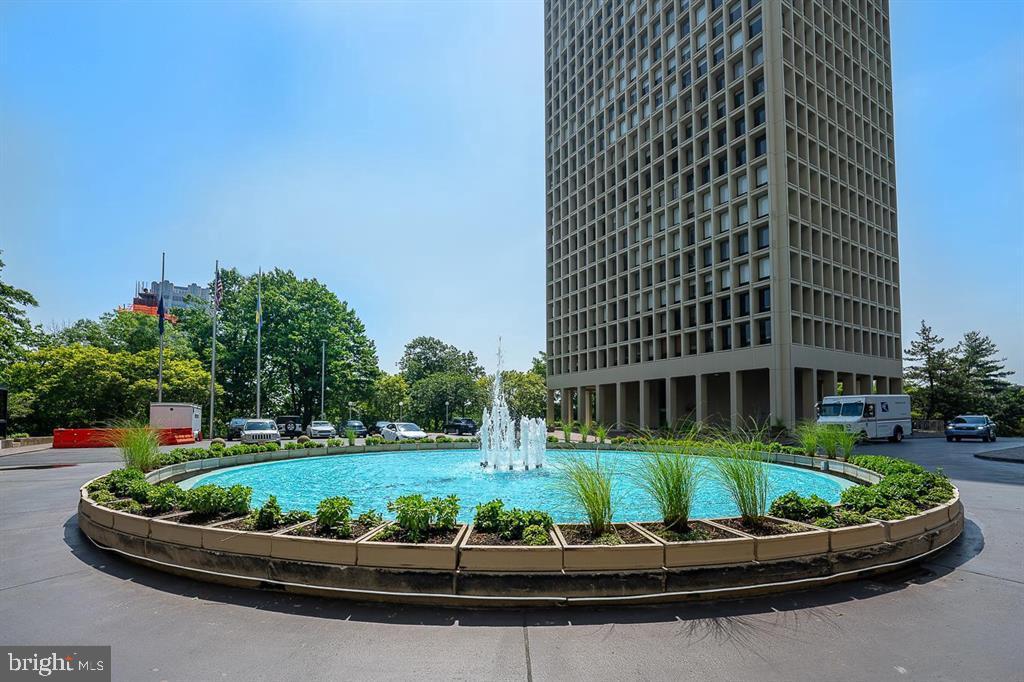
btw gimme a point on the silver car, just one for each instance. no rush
(396, 431)
(260, 431)
(319, 429)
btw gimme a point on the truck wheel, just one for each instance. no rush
(897, 435)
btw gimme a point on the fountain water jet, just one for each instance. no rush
(499, 449)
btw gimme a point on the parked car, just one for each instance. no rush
(376, 428)
(290, 426)
(396, 431)
(320, 429)
(235, 427)
(971, 426)
(461, 426)
(260, 431)
(354, 425)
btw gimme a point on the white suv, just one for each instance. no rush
(260, 431)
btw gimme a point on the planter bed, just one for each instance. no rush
(306, 542)
(489, 552)
(712, 545)
(637, 551)
(439, 552)
(781, 538)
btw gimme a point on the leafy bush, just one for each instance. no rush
(488, 516)
(807, 437)
(887, 465)
(293, 445)
(295, 516)
(236, 500)
(139, 491)
(333, 514)
(217, 443)
(212, 500)
(129, 506)
(351, 435)
(418, 517)
(536, 535)
(670, 478)
(19, 435)
(268, 516)
(826, 522)
(894, 511)
(374, 440)
(918, 490)
(370, 518)
(552, 439)
(745, 476)
(165, 497)
(102, 497)
(335, 443)
(796, 508)
(120, 481)
(589, 485)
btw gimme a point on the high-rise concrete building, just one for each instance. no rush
(721, 208)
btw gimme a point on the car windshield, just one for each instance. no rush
(853, 409)
(969, 420)
(830, 409)
(319, 424)
(408, 427)
(354, 424)
(259, 425)
(237, 422)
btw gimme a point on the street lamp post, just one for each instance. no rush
(446, 403)
(401, 404)
(323, 371)
(350, 406)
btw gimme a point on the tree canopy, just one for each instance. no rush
(17, 335)
(426, 355)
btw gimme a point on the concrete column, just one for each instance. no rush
(549, 414)
(566, 405)
(828, 382)
(734, 404)
(808, 393)
(645, 422)
(896, 384)
(670, 417)
(700, 388)
(620, 402)
(599, 413)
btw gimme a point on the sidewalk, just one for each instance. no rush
(1008, 455)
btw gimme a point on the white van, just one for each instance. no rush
(176, 416)
(875, 416)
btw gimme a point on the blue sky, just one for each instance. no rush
(395, 152)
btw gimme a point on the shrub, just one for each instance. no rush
(120, 481)
(295, 516)
(826, 522)
(165, 497)
(139, 491)
(796, 508)
(488, 516)
(139, 444)
(370, 518)
(745, 476)
(590, 487)
(374, 440)
(335, 442)
(293, 446)
(845, 441)
(102, 497)
(333, 514)
(129, 506)
(893, 512)
(887, 465)
(351, 435)
(670, 478)
(236, 500)
(302, 439)
(19, 435)
(418, 516)
(268, 516)
(212, 500)
(847, 517)
(536, 535)
(552, 439)
(217, 443)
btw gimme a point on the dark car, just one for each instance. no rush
(375, 428)
(353, 425)
(235, 427)
(461, 427)
(290, 426)
(971, 426)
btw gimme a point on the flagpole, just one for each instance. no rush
(160, 367)
(213, 342)
(259, 335)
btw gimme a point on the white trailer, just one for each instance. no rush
(874, 416)
(176, 416)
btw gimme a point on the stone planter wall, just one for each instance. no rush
(459, 573)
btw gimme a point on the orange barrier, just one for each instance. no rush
(100, 438)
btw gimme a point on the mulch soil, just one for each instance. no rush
(767, 528)
(580, 535)
(698, 532)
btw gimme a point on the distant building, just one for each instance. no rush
(175, 296)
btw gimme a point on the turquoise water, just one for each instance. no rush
(372, 479)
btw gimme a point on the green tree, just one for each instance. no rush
(426, 355)
(17, 335)
(298, 314)
(81, 385)
(539, 365)
(976, 356)
(932, 367)
(428, 396)
(383, 404)
(123, 330)
(1009, 411)
(525, 393)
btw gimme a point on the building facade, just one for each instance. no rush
(721, 209)
(176, 296)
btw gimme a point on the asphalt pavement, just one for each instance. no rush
(956, 617)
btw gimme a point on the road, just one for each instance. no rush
(956, 617)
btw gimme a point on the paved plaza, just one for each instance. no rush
(956, 617)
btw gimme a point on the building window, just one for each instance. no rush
(764, 331)
(724, 279)
(762, 237)
(761, 175)
(725, 308)
(744, 273)
(739, 127)
(764, 268)
(708, 310)
(758, 85)
(725, 334)
(735, 12)
(760, 146)
(709, 341)
(742, 244)
(742, 214)
(762, 206)
(744, 303)
(723, 250)
(742, 183)
(736, 40)
(705, 257)
(759, 117)
(744, 334)
(755, 26)
(757, 56)
(764, 299)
